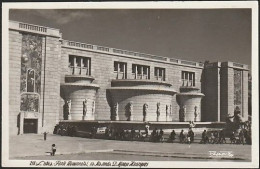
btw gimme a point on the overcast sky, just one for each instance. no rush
(191, 34)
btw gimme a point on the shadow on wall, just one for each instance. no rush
(109, 100)
(18, 123)
(204, 115)
(203, 100)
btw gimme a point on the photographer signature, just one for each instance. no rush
(221, 154)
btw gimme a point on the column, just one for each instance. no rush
(187, 78)
(142, 72)
(88, 66)
(162, 75)
(81, 65)
(135, 71)
(124, 76)
(74, 65)
(118, 69)
(191, 79)
(157, 74)
(147, 70)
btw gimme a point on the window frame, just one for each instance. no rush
(142, 70)
(77, 62)
(187, 77)
(161, 71)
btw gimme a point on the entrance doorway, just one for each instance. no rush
(30, 126)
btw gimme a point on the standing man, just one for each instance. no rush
(45, 135)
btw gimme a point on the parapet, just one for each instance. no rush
(25, 27)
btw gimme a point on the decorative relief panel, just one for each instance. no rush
(30, 102)
(237, 88)
(31, 61)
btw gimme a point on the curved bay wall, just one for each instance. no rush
(190, 102)
(77, 95)
(139, 98)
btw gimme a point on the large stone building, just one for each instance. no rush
(53, 79)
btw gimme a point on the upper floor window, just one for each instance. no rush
(79, 65)
(159, 73)
(120, 70)
(188, 78)
(141, 71)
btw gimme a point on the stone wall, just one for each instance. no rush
(49, 83)
(211, 89)
(245, 95)
(52, 84)
(227, 90)
(15, 49)
(102, 69)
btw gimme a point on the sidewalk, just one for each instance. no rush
(34, 145)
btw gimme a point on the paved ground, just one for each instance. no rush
(32, 146)
(117, 157)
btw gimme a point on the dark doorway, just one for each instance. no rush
(30, 126)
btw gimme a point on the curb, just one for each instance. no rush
(66, 153)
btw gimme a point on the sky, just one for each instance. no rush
(189, 34)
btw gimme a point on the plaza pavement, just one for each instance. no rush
(30, 145)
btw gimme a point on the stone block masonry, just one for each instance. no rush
(15, 49)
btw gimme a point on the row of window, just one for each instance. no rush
(139, 71)
(82, 66)
(79, 65)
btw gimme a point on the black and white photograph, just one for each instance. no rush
(130, 84)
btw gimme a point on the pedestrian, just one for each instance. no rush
(53, 149)
(132, 135)
(204, 138)
(182, 136)
(161, 138)
(222, 138)
(191, 134)
(107, 133)
(216, 135)
(153, 135)
(45, 136)
(172, 136)
(241, 137)
(188, 138)
(232, 138)
(212, 138)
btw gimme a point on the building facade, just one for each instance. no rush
(53, 79)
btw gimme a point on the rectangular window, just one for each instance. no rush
(120, 69)
(159, 73)
(141, 71)
(188, 78)
(78, 62)
(79, 65)
(71, 61)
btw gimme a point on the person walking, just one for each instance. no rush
(45, 136)
(191, 134)
(53, 149)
